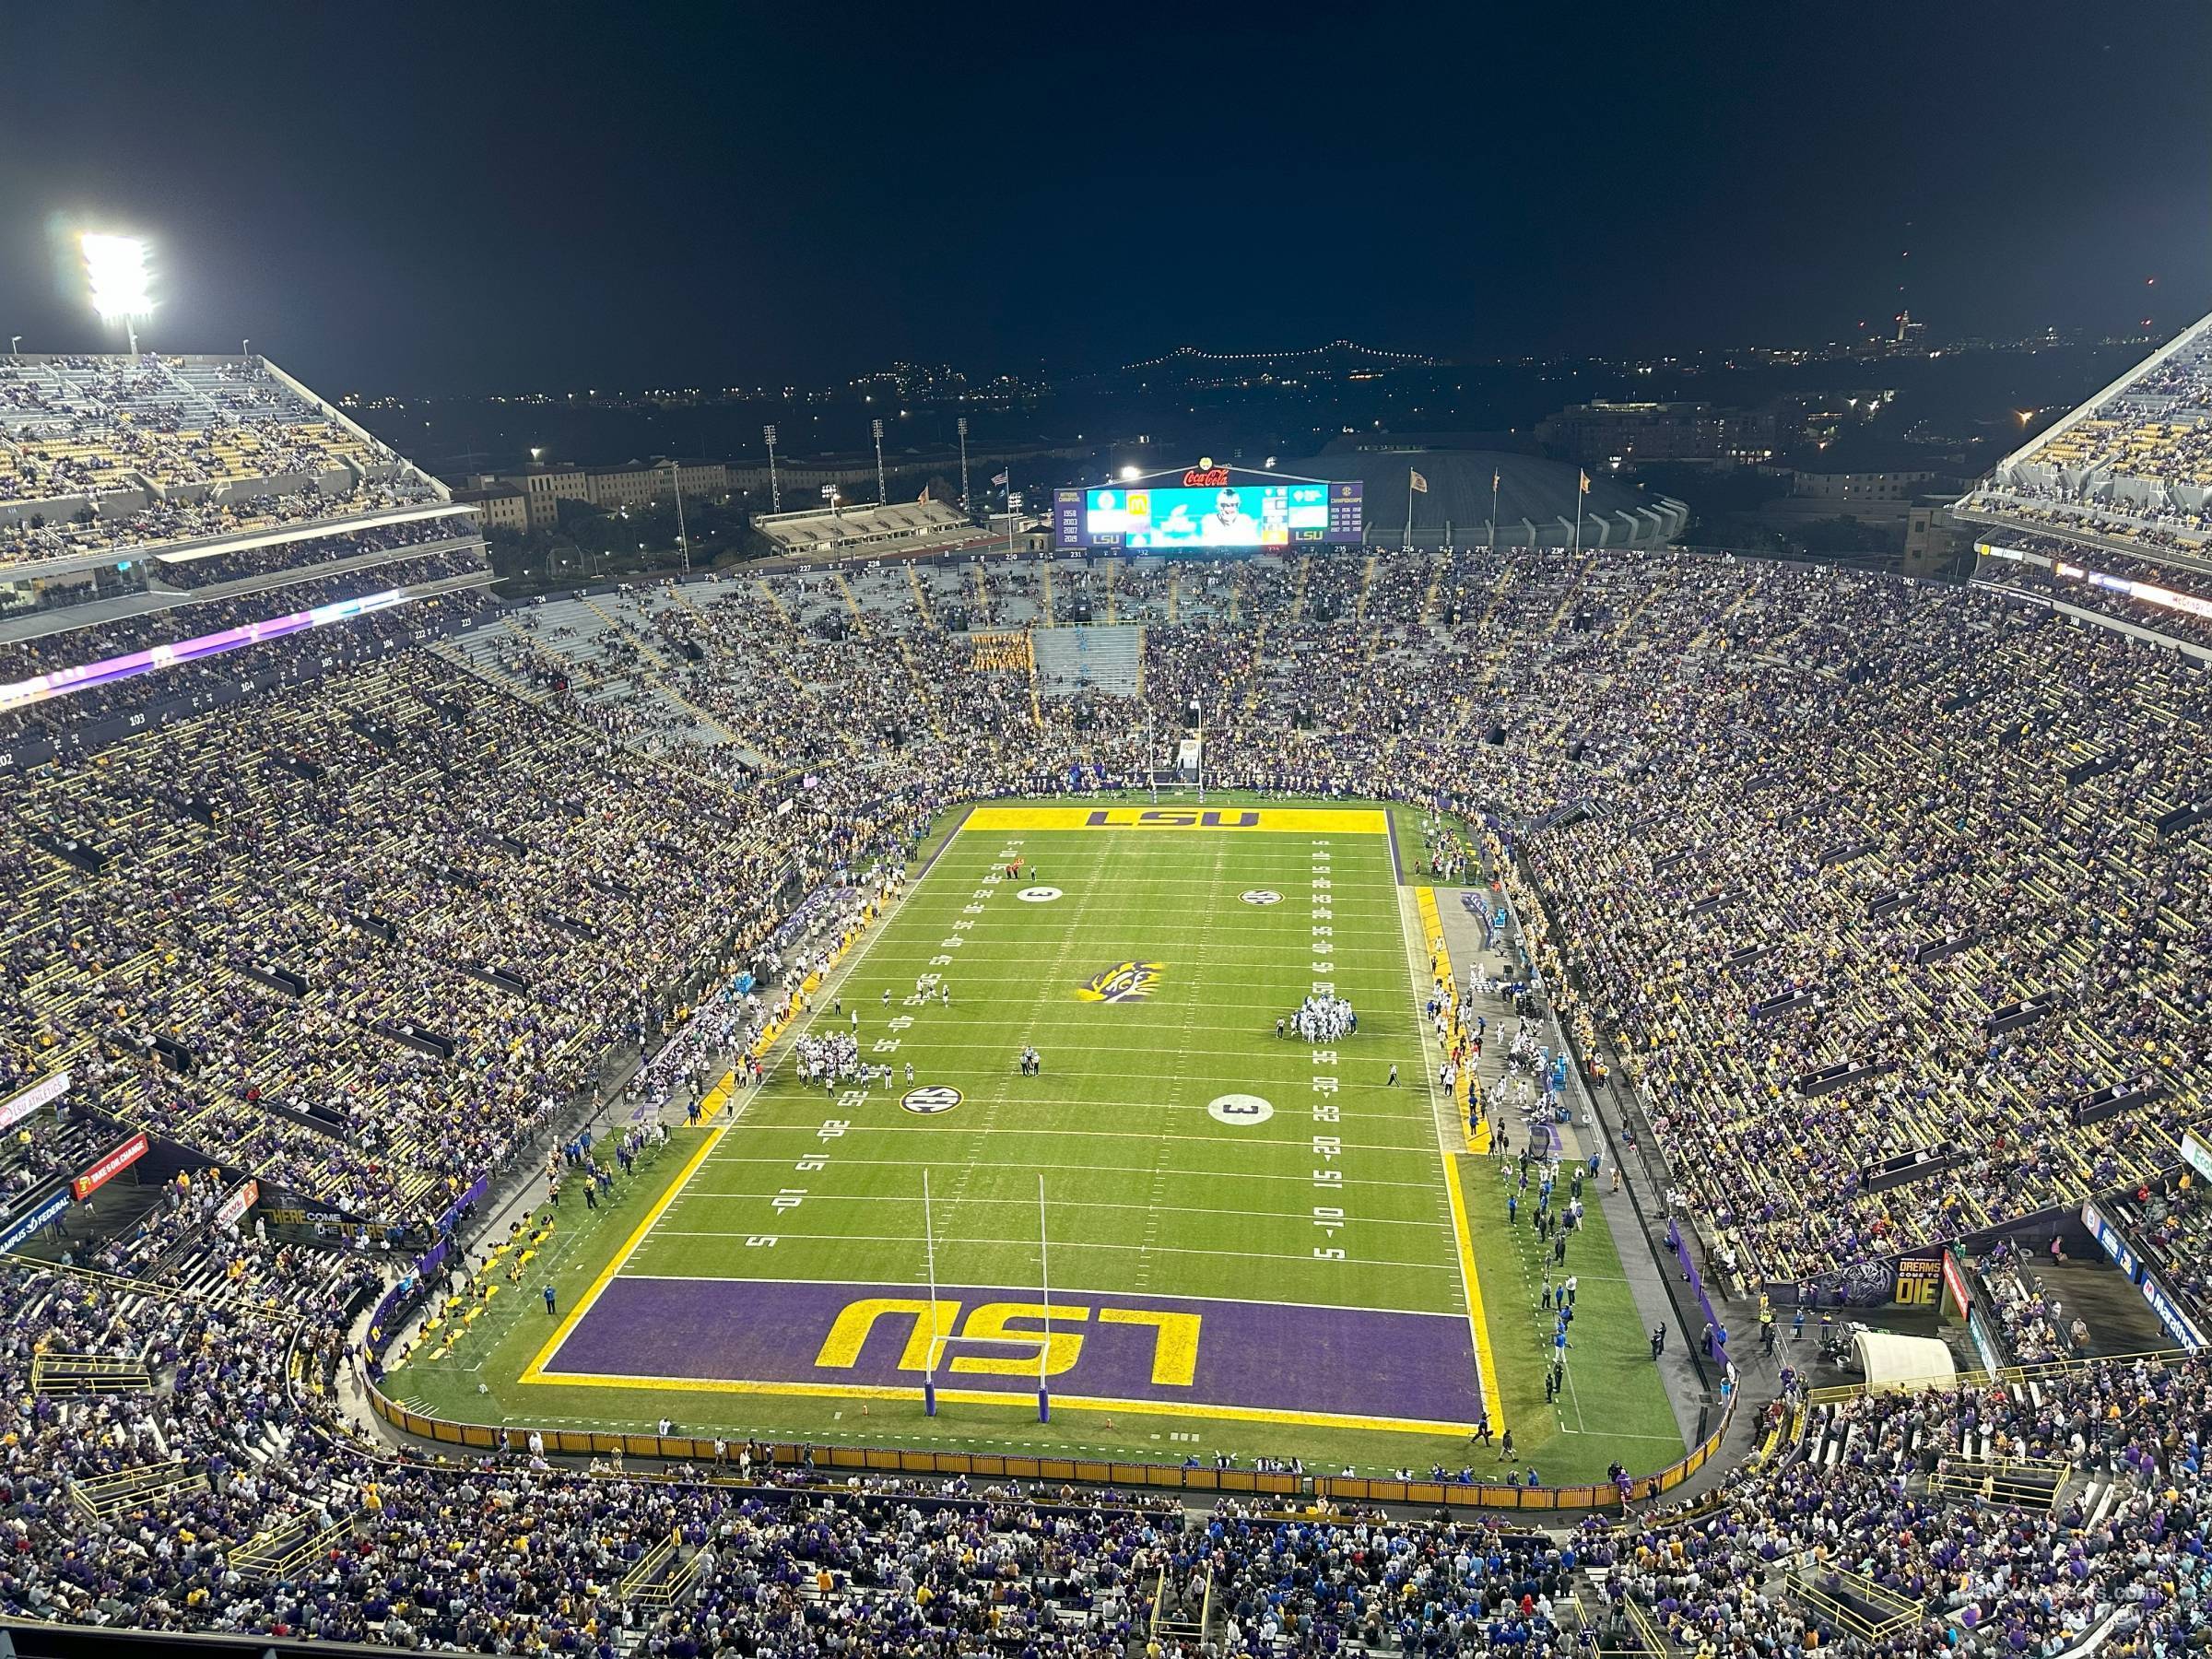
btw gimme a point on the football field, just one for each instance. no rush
(1191, 1233)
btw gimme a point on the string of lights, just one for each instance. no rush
(1194, 355)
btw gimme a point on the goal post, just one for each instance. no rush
(940, 1339)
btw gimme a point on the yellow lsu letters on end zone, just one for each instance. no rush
(1286, 820)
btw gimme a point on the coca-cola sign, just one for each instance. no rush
(1208, 477)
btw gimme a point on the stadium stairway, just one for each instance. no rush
(1096, 658)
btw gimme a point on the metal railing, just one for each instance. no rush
(1870, 1611)
(893, 1460)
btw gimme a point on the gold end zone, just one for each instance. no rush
(1282, 821)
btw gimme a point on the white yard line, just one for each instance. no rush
(939, 1206)
(1143, 1135)
(1058, 1245)
(1263, 1301)
(1092, 1168)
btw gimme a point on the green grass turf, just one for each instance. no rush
(1147, 1194)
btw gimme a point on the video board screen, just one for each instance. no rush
(1212, 515)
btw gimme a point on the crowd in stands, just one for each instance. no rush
(2037, 1327)
(36, 1151)
(385, 923)
(2174, 621)
(134, 451)
(262, 1507)
(1846, 820)
(131, 531)
(2173, 1223)
(2137, 467)
(418, 621)
(2124, 1538)
(236, 565)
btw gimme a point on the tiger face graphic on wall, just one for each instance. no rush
(1124, 982)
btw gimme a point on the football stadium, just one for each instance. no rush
(1357, 1053)
(481, 1071)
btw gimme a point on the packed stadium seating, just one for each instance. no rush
(106, 455)
(2178, 605)
(2132, 464)
(200, 1474)
(1849, 823)
(1891, 896)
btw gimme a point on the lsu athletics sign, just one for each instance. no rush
(1182, 1356)
(1284, 820)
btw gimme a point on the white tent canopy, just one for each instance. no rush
(1891, 1363)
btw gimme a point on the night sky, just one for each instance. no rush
(473, 197)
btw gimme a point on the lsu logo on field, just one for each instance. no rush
(1124, 982)
(1170, 817)
(937, 1328)
(1300, 821)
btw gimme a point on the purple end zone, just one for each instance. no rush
(1345, 1361)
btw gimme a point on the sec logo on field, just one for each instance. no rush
(1263, 896)
(1038, 895)
(930, 1101)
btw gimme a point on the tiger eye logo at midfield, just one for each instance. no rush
(1124, 982)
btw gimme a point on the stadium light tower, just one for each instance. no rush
(876, 426)
(964, 463)
(676, 478)
(775, 495)
(116, 271)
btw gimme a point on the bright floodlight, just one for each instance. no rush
(116, 268)
(1130, 474)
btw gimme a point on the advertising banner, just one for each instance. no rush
(24, 1226)
(238, 1204)
(45, 1089)
(108, 1168)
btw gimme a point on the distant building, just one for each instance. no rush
(634, 484)
(1608, 434)
(1932, 538)
(546, 487)
(500, 504)
(1862, 485)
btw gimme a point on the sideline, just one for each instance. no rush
(1470, 1279)
(824, 992)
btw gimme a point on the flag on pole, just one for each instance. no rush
(1585, 478)
(1418, 482)
(999, 478)
(1495, 479)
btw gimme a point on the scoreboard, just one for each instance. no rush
(1209, 508)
